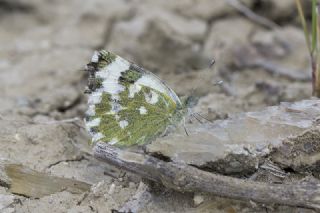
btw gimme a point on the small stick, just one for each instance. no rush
(277, 69)
(185, 178)
(251, 15)
(70, 120)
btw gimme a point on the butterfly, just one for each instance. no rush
(128, 105)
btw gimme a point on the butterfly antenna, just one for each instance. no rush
(212, 62)
(218, 83)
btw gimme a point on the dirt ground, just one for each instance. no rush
(44, 45)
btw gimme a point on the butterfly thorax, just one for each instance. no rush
(127, 104)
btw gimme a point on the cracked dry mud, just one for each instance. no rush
(45, 44)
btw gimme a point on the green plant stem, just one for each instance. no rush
(313, 44)
(315, 49)
(304, 24)
(314, 29)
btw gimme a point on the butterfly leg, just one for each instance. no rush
(203, 117)
(195, 117)
(184, 126)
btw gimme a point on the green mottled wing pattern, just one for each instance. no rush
(127, 105)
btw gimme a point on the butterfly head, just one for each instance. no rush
(189, 102)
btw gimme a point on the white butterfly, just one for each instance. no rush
(128, 105)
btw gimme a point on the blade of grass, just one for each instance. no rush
(316, 79)
(304, 25)
(314, 28)
(318, 31)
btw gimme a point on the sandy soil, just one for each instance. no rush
(44, 46)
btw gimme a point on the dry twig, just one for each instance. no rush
(277, 69)
(251, 15)
(182, 177)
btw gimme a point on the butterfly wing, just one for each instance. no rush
(127, 105)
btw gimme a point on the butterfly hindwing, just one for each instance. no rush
(127, 105)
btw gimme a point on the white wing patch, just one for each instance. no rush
(152, 97)
(95, 57)
(133, 89)
(143, 110)
(123, 124)
(113, 141)
(95, 97)
(92, 123)
(111, 74)
(152, 82)
(97, 136)
(91, 110)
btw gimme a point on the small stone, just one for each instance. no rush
(96, 189)
(132, 185)
(228, 146)
(111, 189)
(198, 199)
